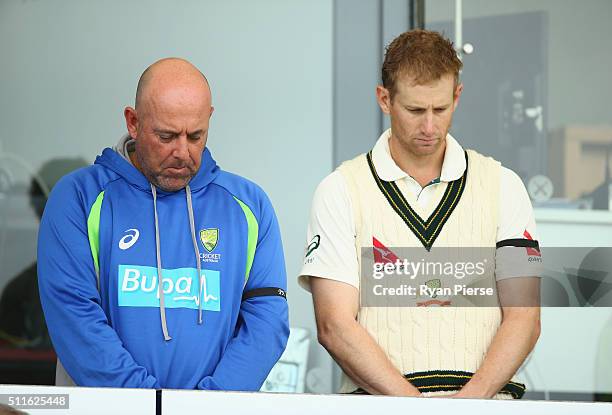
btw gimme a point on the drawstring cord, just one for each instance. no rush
(197, 251)
(160, 289)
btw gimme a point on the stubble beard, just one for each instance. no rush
(426, 151)
(165, 183)
(415, 150)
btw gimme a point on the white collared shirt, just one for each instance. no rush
(332, 219)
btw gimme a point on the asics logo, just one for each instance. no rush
(130, 239)
(314, 244)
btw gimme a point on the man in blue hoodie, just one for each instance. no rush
(156, 268)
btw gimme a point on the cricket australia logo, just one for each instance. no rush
(210, 239)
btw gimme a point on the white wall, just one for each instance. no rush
(69, 67)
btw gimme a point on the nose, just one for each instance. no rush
(181, 148)
(427, 125)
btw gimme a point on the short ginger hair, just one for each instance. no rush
(424, 55)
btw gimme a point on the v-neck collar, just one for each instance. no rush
(425, 230)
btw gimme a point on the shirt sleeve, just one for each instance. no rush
(87, 346)
(263, 323)
(518, 251)
(330, 241)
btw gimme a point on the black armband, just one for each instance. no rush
(265, 292)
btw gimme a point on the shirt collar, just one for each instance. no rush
(453, 165)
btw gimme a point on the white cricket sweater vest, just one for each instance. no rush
(422, 339)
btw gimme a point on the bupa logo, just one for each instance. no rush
(138, 287)
(130, 239)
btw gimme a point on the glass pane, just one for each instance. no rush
(536, 97)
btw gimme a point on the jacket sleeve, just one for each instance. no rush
(263, 322)
(87, 346)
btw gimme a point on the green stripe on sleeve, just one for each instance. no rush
(93, 232)
(253, 233)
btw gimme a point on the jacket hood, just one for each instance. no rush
(117, 160)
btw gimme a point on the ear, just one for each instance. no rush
(131, 121)
(458, 91)
(384, 98)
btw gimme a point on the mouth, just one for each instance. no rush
(426, 141)
(177, 171)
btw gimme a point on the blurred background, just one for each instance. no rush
(293, 88)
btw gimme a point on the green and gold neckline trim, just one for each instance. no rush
(425, 230)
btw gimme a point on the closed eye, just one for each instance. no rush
(196, 135)
(416, 110)
(165, 137)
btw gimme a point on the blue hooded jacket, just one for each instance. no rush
(105, 236)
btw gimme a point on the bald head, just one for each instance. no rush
(170, 73)
(169, 123)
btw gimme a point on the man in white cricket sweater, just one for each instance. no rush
(419, 189)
